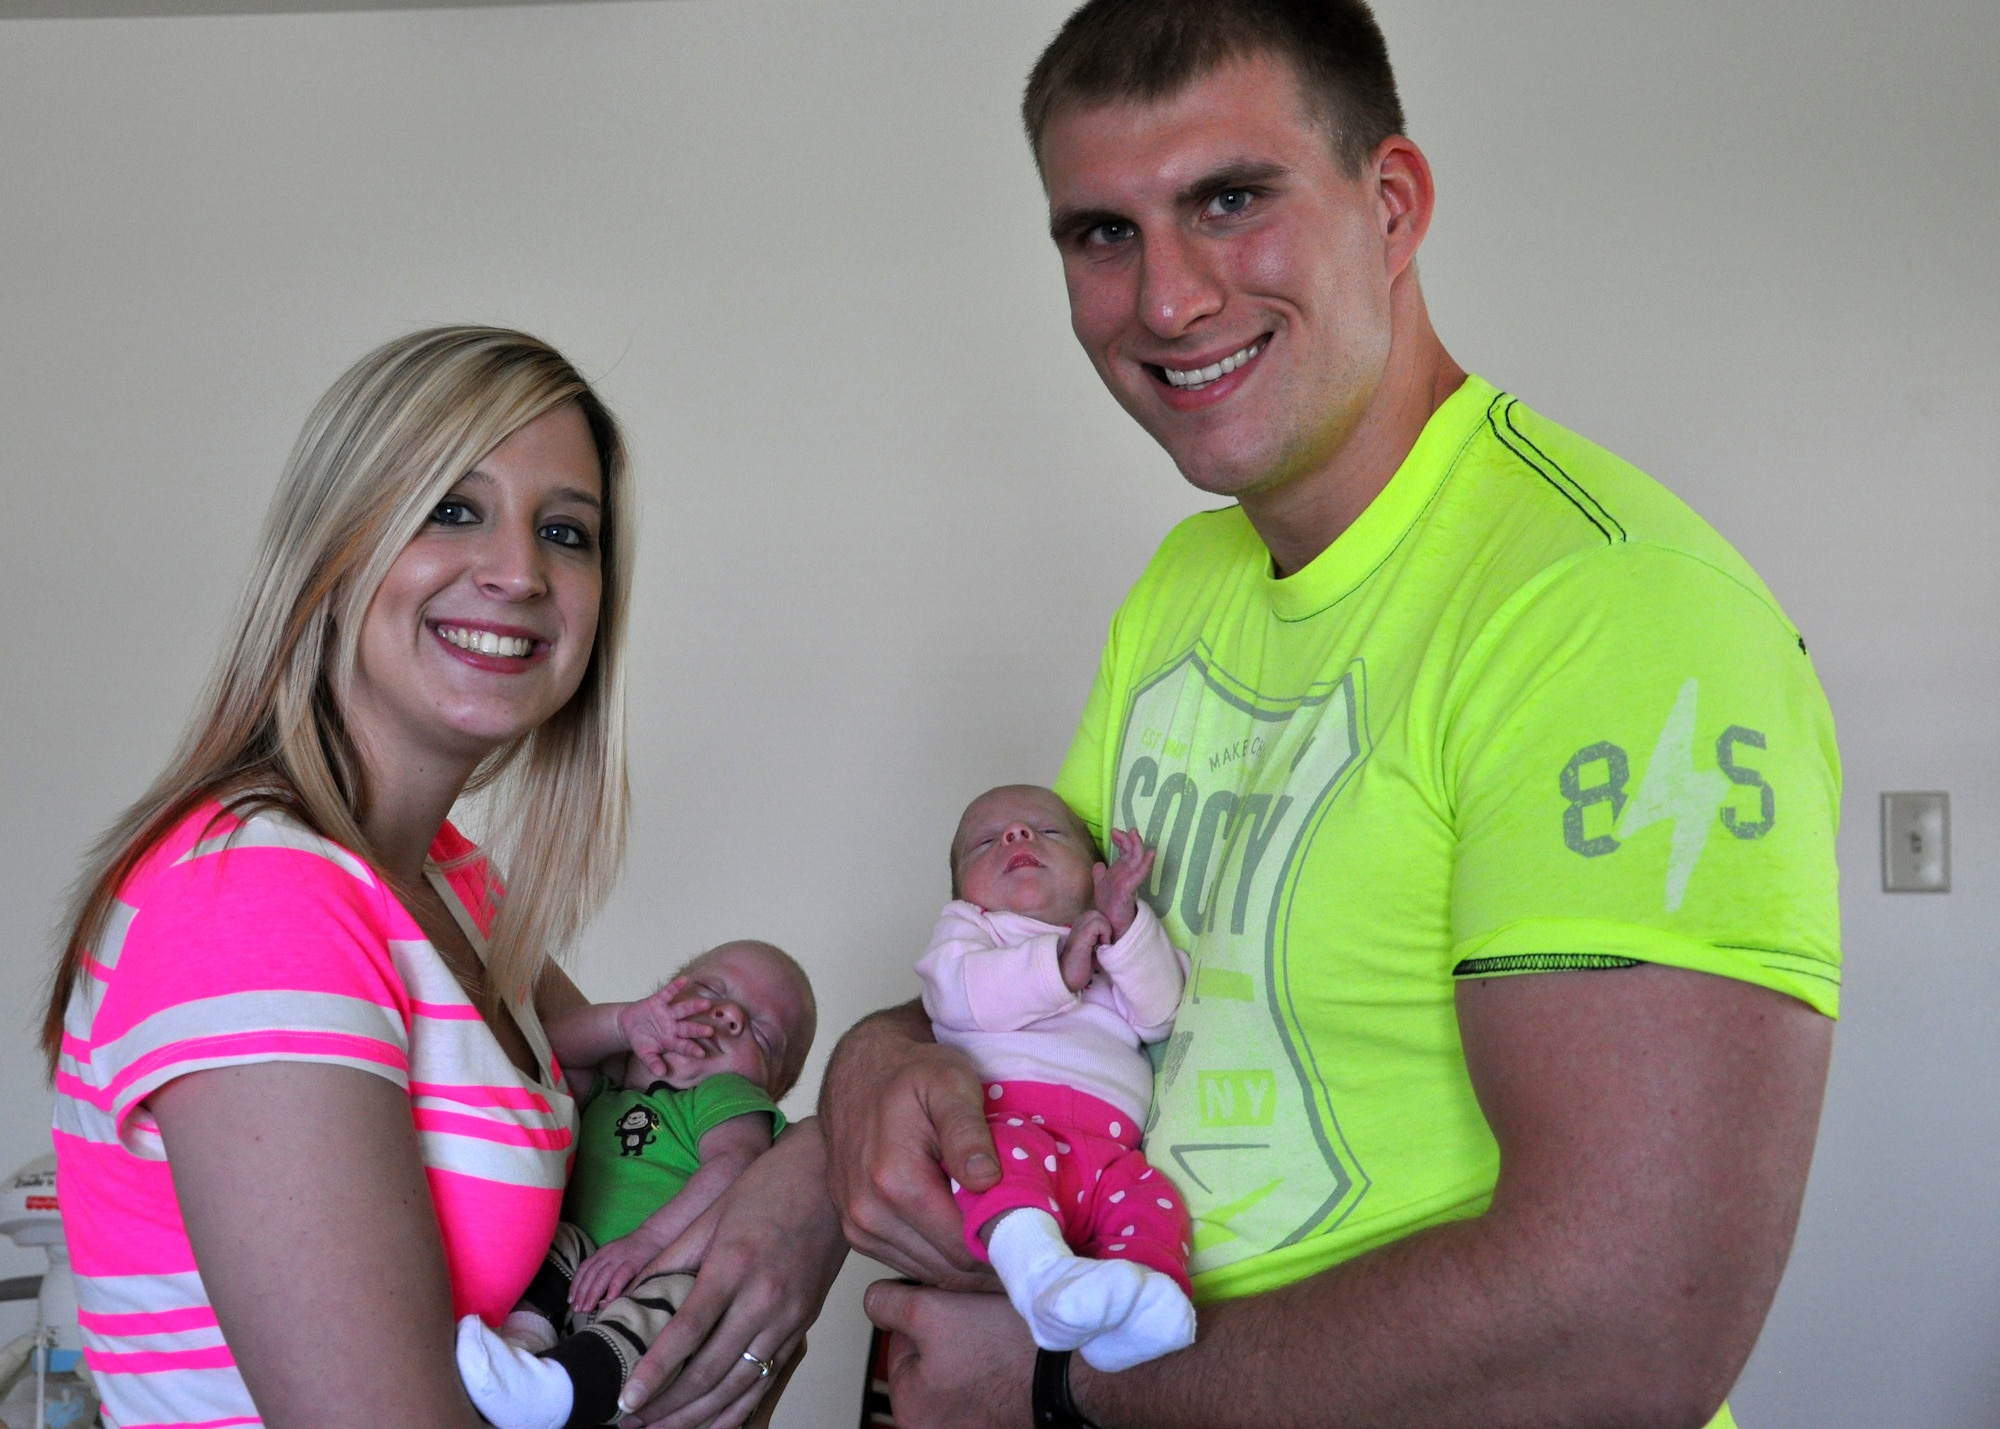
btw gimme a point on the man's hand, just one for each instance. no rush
(1076, 954)
(898, 1111)
(1118, 883)
(606, 1272)
(665, 1022)
(955, 1361)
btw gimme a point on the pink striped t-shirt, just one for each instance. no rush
(238, 941)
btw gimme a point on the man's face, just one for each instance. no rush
(1216, 229)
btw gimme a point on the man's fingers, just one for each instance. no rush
(890, 1304)
(965, 1142)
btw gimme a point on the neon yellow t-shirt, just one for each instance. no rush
(1529, 712)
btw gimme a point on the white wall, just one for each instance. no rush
(888, 510)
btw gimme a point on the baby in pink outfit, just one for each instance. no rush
(1047, 971)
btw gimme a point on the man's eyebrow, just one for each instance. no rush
(1067, 223)
(1236, 174)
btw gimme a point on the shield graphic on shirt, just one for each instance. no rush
(1229, 787)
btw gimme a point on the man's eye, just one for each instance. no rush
(453, 512)
(1230, 201)
(564, 533)
(1108, 235)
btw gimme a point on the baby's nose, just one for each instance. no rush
(728, 1016)
(1016, 833)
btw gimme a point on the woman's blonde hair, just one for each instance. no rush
(382, 448)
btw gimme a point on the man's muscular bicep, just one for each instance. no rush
(1657, 1125)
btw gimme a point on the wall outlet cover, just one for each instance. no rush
(1916, 842)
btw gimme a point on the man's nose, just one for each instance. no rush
(1177, 288)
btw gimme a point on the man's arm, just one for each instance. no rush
(1655, 1130)
(897, 1109)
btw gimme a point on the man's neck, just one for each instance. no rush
(1300, 519)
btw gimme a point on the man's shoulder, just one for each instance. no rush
(1530, 488)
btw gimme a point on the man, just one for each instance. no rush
(1493, 799)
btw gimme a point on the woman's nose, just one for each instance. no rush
(511, 565)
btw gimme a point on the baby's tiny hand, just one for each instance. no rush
(1118, 883)
(657, 1025)
(609, 1270)
(1076, 955)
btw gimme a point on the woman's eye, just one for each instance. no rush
(562, 533)
(453, 512)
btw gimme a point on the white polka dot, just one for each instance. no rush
(1129, 1230)
(993, 1092)
(1052, 1204)
(1186, 1249)
(1100, 1174)
(1119, 1246)
(1020, 1154)
(1037, 1121)
(1013, 1121)
(1148, 1176)
(1164, 1204)
(1117, 1128)
(955, 1187)
(1062, 1147)
(1048, 1163)
(1079, 1198)
(1116, 1197)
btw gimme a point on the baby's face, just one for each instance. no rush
(1020, 850)
(761, 1015)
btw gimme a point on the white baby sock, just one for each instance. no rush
(512, 1388)
(1065, 1299)
(1161, 1321)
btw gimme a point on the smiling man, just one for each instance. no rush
(1493, 796)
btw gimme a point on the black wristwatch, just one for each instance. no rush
(1054, 1409)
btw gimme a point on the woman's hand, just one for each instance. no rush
(898, 1111)
(765, 1255)
(313, 1228)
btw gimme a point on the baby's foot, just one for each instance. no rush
(529, 1330)
(512, 1388)
(1078, 1300)
(1160, 1321)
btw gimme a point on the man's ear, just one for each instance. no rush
(1406, 196)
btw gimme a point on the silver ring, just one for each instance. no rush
(763, 1366)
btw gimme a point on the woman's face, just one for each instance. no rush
(483, 627)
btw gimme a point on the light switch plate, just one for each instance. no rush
(1916, 842)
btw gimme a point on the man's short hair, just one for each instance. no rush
(1150, 50)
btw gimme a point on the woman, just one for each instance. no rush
(305, 1112)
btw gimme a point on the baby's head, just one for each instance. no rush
(1021, 849)
(763, 1012)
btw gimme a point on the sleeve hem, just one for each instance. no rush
(1567, 944)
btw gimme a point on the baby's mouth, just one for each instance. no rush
(1022, 860)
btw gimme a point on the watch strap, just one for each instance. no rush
(1054, 1409)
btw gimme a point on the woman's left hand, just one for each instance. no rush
(767, 1253)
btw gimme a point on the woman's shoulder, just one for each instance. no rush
(243, 896)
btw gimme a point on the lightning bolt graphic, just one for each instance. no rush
(1678, 790)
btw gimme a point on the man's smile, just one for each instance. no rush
(1194, 378)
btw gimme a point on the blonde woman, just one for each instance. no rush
(305, 1111)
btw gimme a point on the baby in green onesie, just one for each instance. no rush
(679, 1094)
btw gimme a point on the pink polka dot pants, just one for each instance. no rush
(1078, 1158)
